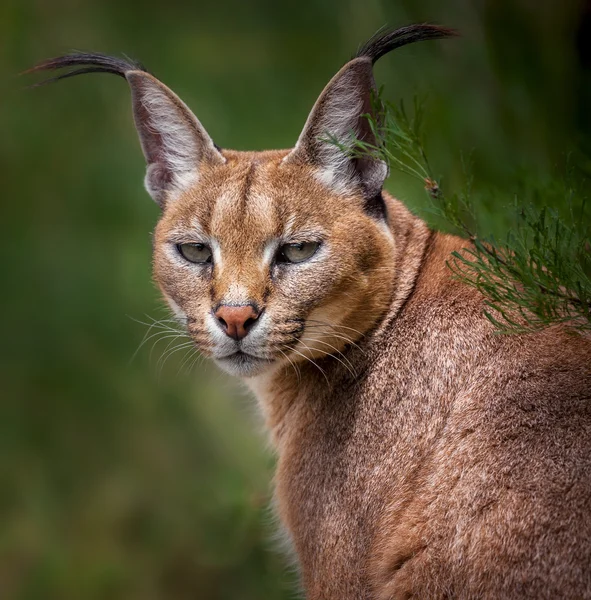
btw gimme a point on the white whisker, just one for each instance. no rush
(310, 360)
(297, 371)
(350, 369)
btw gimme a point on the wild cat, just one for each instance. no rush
(420, 455)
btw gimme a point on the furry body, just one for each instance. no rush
(420, 454)
(457, 465)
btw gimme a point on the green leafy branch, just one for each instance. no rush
(539, 274)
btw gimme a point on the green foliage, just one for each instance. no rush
(538, 276)
(120, 482)
(539, 273)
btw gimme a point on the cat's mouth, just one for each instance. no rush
(243, 364)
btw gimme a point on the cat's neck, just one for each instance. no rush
(280, 390)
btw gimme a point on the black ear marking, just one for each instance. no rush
(85, 62)
(384, 40)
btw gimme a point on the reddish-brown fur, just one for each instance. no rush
(420, 454)
(456, 466)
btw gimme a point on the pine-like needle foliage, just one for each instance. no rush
(539, 273)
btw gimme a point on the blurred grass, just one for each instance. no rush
(120, 482)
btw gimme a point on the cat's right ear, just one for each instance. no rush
(173, 140)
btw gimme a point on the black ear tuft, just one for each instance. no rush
(386, 40)
(80, 63)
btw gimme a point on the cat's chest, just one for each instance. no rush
(325, 495)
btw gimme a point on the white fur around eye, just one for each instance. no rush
(269, 253)
(217, 253)
(178, 312)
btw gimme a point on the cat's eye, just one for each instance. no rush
(297, 252)
(195, 253)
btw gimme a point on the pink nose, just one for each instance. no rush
(237, 320)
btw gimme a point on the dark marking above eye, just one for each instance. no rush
(248, 181)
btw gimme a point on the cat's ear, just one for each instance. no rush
(336, 120)
(338, 116)
(173, 140)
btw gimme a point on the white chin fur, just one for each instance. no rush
(243, 366)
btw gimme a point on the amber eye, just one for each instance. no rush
(297, 253)
(195, 253)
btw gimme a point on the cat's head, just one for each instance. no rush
(268, 257)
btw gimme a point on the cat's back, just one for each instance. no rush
(457, 466)
(495, 500)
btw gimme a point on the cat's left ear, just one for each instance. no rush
(339, 114)
(174, 142)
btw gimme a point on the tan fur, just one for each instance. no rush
(458, 466)
(220, 207)
(452, 462)
(420, 454)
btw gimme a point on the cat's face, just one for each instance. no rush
(268, 257)
(266, 265)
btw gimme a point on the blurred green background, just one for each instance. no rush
(126, 479)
